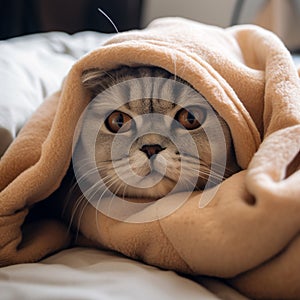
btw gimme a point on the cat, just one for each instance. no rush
(154, 162)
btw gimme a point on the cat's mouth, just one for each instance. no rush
(154, 169)
(144, 177)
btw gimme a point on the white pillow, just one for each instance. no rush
(31, 68)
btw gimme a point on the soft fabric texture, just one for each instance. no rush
(248, 233)
(89, 274)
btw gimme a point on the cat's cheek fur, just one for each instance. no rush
(138, 163)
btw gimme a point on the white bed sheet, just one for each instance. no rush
(82, 273)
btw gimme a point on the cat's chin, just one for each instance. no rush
(158, 191)
(155, 192)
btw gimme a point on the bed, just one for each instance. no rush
(76, 273)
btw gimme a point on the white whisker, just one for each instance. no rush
(109, 19)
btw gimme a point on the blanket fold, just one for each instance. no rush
(249, 232)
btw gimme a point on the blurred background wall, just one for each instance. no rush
(19, 17)
(216, 12)
(279, 16)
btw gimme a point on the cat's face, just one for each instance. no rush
(147, 146)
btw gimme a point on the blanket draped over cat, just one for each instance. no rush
(249, 232)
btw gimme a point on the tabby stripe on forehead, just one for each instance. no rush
(158, 74)
(172, 77)
(138, 91)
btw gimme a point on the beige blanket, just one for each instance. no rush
(248, 232)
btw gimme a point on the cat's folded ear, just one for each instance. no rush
(94, 80)
(88, 76)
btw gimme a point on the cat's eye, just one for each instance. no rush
(118, 121)
(191, 118)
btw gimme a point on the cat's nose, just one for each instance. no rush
(151, 150)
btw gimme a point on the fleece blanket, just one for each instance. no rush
(248, 232)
